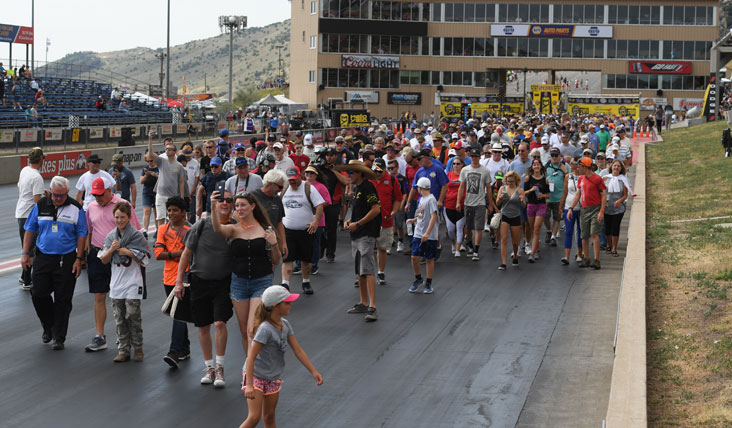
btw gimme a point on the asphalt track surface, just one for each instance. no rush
(528, 347)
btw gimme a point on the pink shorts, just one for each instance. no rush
(268, 387)
(536, 210)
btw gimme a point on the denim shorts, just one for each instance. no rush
(148, 199)
(245, 289)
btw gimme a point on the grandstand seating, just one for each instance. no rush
(77, 97)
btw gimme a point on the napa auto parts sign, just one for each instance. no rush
(659, 67)
(369, 61)
(66, 163)
(550, 30)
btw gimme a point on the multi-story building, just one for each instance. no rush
(391, 53)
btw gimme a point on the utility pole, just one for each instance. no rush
(161, 56)
(232, 23)
(33, 46)
(167, 67)
(279, 61)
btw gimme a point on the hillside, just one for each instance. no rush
(255, 60)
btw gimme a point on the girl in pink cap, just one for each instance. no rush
(266, 356)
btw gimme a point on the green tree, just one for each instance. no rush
(245, 97)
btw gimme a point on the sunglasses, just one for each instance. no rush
(279, 186)
(457, 163)
(215, 166)
(60, 195)
(555, 155)
(209, 147)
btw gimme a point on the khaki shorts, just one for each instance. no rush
(386, 237)
(588, 221)
(362, 250)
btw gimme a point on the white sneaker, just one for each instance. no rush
(209, 377)
(400, 247)
(578, 259)
(219, 381)
(453, 248)
(457, 253)
(388, 251)
(475, 257)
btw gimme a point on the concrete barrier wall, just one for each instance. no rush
(627, 407)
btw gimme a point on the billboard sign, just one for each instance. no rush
(65, 163)
(659, 67)
(371, 97)
(404, 98)
(349, 118)
(16, 34)
(688, 103)
(369, 61)
(542, 30)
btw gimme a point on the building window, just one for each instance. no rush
(303, 37)
(313, 7)
(302, 4)
(345, 43)
(311, 76)
(360, 78)
(688, 15)
(650, 81)
(686, 50)
(313, 42)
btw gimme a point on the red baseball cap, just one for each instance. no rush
(293, 172)
(458, 145)
(98, 186)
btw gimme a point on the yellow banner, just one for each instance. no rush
(610, 109)
(452, 108)
(546, 98)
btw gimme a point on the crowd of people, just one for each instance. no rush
(226, 216)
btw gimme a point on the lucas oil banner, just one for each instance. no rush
(625, 106)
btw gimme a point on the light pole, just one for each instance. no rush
(279, 62)
(167, 53)
(161, 56)
(45, 69)
(33, 46)
(525, 71)
(231, 24)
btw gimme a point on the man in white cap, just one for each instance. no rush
(309, 149)
(282, 162)
(544, 150)
(30, 190)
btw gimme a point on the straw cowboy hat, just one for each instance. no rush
(356, 166)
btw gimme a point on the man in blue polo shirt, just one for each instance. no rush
(60, 225)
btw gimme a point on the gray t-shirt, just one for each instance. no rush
(273, 206)
(427, 206)
(169, 176)
(475, 180)
(211, 258)
(235, 185)
(270, 362)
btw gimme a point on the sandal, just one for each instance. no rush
(615, 254)
(609, 250)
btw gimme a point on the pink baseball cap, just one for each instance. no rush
(277, 294)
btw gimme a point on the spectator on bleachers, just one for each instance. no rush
(115, 94)
(123, 106)
(2, 84)
(3, 72)
(16, 95)
(40, 98)
(100, 105)
(34, 86)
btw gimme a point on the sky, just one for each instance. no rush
(109, 25)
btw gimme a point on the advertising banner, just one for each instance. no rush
(115, 131)
(53, 134)
(180, 129)
(455, 106)
(348, 118)
(28, 135)
(626, 106)
(710, 99)
(168, 129)
(651, 103)
(67, 163)
(16, 34)
(404, 98)
(546, 98)
(659, 67)
(551, 30)
(134, 156)
(369, 61)
(96, 133)
(6, 135)
(688, 103)
(371, 97)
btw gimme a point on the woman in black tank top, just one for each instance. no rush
(255, 251)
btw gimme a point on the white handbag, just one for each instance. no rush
(496, 221)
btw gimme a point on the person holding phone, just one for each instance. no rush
(208, 185)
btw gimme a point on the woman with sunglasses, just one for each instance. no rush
(454, 219)
(536, 187)
(618, 189)
(568, 194)
(254, 252)
(510, 199)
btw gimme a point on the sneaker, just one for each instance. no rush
(514, 261)
(139, 354)
(565, 261)
(57, 345)
(415, 285)
(457, 253)
(531, 258)
(98, 343)
(585, 263)
(358, 308)
(427, 289)
(553, 242)
(548, 237)
(475, 257)
(502, 267)
(171, 358)
(219, 381)
(401, 247)
(487, 228)
(330, 259)
(527, 248)
(307, 288)
(46, 336)
(209, 377)
(121, 358)
(297, 270)
(314, 270)
(596, 264)
(578, 259)
(536, 255)
(422, 260)
(287, 286)
(184, 355)
(26, 287)
(381, 278)
(494, 245)
(371, 315)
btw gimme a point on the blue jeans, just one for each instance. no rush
(179, 336)
(316, 248)
(569, 229)
(603, 237)
(192, 210)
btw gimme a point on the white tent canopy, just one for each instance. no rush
(282, 103)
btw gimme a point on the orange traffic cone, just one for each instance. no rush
(635, 132)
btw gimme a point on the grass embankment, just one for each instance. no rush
(689, 279)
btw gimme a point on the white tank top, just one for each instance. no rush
(571, 191)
